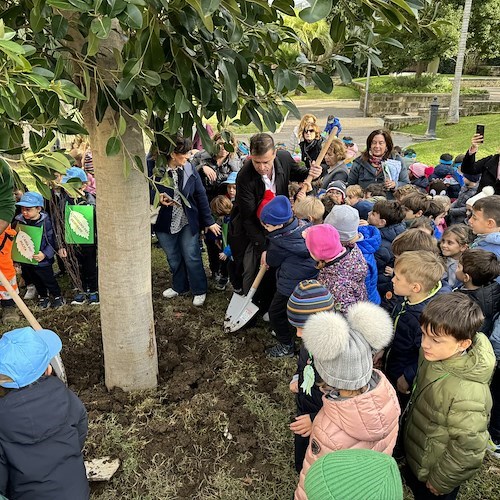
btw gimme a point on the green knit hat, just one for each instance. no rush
(354, 474)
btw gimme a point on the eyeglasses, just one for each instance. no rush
(309, 131)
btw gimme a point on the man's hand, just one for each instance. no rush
(302, 425)
(432, 489)
(315, 170)
(210, 173)
(215, 229)
(402, 385)
(476, 140)
(39, 256)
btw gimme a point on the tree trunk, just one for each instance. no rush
(421, 65)
(124, 246)
(433, 66)
(453, 113)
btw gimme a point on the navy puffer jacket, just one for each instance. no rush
(287, 251)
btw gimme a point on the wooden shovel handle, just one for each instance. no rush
(318, 160)
(258, 278)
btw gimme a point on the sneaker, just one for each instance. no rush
(58, 302)
(79, 299)
(493, 448)
(30, 293)
(265, 317)
(199, 300)
(170, 293)
(281, 351)
(93, 298)
(44, 303)
(10, 315)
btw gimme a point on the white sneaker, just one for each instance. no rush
(170, 293)
(30, 293)
(199, 300)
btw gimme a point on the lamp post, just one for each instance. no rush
(433, 116)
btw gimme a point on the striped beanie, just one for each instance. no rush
(357, 474)
(309, 297)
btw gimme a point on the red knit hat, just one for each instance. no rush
(268, 196)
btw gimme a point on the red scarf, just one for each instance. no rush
(376, 162)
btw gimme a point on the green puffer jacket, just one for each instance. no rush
(446, 428)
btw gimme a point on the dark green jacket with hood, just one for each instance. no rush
(446, 430)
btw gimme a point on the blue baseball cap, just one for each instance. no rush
(25, 354)
(31, 199)
(231, 178)
(75, 173)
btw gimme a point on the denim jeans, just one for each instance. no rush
(184, 259)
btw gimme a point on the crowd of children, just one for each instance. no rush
(392, 290)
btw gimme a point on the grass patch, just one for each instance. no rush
(339, 92)
(456, 138)
(425, 84)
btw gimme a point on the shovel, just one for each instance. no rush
(241, 309)
(56, 362)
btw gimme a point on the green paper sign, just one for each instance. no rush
(79, 224)
(26, 244)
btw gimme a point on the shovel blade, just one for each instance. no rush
(239, 312)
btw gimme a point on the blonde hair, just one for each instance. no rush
(221, 205)
(309, 208)
(443, 200)
(355, 190)
(402, 191)
(306, 120)
(422, 267)
(315, 127)
(337, 148)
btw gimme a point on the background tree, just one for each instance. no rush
(152, 66)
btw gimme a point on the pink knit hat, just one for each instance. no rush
(323, 242)
(418, 169)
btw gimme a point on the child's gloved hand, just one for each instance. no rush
(302, 425)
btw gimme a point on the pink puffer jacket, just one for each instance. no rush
(370, 420)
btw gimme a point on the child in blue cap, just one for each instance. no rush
(43, 425)
(41, 275)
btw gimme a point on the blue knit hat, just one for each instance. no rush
(277, 211)
(309, 297)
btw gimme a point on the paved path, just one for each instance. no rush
(351, 117)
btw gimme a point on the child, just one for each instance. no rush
(440, 221)
(485, 223)
(86, 255)
(423, 224)
(309, 209)
(375, 192)
(387, 217)
(458, 209)
(219, 253)
(42, 275)
(404, 190)
(288, 253)
(478, 270)
(343, 270)
(456, 239)
(354, 474)
(452, 179)
(415, 204)
(360, 408)
(43, 425)
(417, 276)
(355, 198)
(445, 432)
(336, 190)
(351, 146)
(230, 185)
(367, 238)
(9, 311)
(309, 297)
(416, 173)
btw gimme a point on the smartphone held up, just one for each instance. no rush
(480, 131)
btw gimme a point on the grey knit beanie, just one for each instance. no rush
(345, 220)
(343, 348)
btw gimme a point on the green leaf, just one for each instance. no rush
(38, 70)
(11, 47)
(152, 78)
(318, 10)
(59, 68)
(209, 6)
(393, 41)
(285, 7)
(132, 17)
(404, 6)
(115, 7)
(113, 146)
(70, 89)
(66, 126)
(290, 105)
(39, 80)
(254, 116)
(323, 82)
(132, 68)
(205, 90)
(59, 27)
(93, 44)
(80, 5)
(56, 163)
(344, 73)
(37, 21)
(181, 103)
(4, 139)
(125, 88)
(61, 4)
(11, 108)
(101, 27)
(43, 188)
(127, 165)
(122, 125)
(230, 79)
(317, 47)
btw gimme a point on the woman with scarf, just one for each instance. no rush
(369, 167)
(310, 143)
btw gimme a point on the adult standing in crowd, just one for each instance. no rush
(310, 143)
(368, 168)
(267, 172)
(488, 168)
(178, 225)
(336, 167)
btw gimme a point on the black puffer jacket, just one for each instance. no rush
(487, 167)
(488, 298)
(42, 432)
